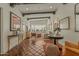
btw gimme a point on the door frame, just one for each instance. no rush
(1, 29)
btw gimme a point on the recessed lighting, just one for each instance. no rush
(27, 9)
(51, 7)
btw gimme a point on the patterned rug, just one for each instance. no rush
(36, 49)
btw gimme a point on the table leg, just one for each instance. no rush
(55, 41)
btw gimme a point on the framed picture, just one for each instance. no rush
(64, 23)
(15, 22)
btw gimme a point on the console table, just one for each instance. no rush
(9, 38)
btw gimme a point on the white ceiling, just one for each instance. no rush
(30, 8)
(46, 7)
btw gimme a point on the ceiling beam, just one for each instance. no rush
(52, 12)
(14, 4)
(38, 18)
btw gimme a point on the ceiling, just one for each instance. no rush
(37, 7)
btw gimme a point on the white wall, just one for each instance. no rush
(70, 35)
(6, 25)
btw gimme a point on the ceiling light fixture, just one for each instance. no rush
(51, 7)
(27, 9)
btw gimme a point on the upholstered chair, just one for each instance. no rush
(52, 50)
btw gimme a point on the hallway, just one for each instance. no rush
(39, 29)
